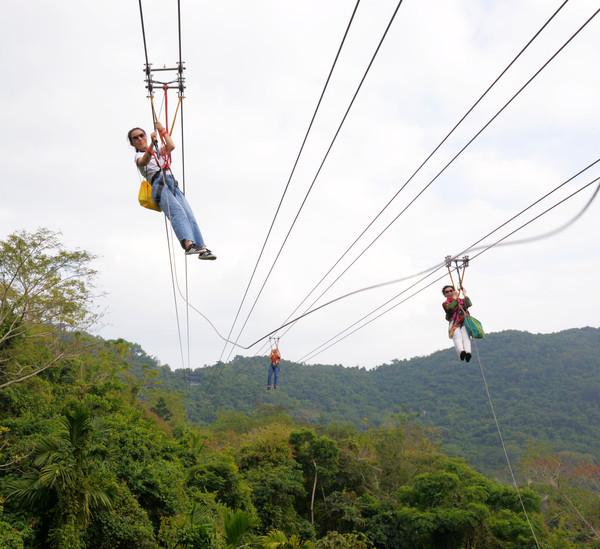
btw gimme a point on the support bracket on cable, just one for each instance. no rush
(459, 262)
(177, 84)
(460, 265)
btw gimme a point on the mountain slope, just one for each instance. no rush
(545, 388)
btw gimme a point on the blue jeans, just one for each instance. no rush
(177, 209)
(273, 372)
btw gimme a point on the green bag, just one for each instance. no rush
(474, 327)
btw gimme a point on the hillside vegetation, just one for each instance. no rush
(545, 389)
(97, 451)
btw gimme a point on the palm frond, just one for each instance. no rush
(237, 524)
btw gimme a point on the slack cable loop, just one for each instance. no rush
(427, 273)
(499, 242)
(448, 259)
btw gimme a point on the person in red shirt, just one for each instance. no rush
(274, 368)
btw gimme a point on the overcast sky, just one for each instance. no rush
(73, 86)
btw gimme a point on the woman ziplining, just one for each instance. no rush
(462, 326)
(155, 168)
(456, 310)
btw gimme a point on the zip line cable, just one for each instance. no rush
(290, 176)
(473, 247)
(318, 350)
(442, 170)
(481, 97)
(186, 299)
(497, 244)
(144, 35)
(312, 353)
(154, 119)
(434, 268)
(180, 105)
(512, 474)
(179, 32)
(320, 168)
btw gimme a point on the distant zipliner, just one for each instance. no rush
(153, 164)
(462, 326)
(275, 357)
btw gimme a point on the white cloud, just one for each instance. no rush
(74, 86)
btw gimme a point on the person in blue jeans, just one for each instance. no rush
(274, 368)
(165, 190)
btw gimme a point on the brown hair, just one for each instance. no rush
(130, 132)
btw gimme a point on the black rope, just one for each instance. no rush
(321, 166)
(180, 95)
(370, 224)
(179, 32)
(144, 38)
(312, 353)
(291, 174)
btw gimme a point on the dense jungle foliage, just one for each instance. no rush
(97, 451)
(545, 389)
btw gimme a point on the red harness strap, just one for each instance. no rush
(167, 155)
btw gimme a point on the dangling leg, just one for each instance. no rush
(175, 212)
(466, 340)
(197, 235)
(458, 343)
(276, 377)
(270, 377)
(199, 245)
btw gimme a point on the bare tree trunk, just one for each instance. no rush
(312, 499)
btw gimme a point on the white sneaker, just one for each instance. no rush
(205, 253)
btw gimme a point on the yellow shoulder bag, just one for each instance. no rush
(145, 196)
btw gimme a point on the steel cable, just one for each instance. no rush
(290, 176)
(347, 250)
(320, 168)
(313, 353)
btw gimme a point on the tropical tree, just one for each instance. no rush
(45, 297)
(237, 525)
(68, 481)
(276, 539)
(335, 540)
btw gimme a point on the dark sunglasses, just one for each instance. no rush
(138, 136)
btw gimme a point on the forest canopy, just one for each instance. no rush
(101, 447)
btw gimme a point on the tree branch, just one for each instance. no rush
(34, 373)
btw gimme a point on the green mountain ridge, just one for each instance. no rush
(545, 389)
